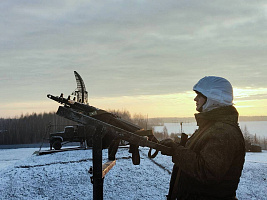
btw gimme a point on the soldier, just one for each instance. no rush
(210, 164)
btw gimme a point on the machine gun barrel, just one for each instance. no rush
(90, 110)
(73, 104)
(116, 131)
(114, 126)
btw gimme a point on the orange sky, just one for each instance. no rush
(249, 102)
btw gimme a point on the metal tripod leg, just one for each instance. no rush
(97, 164)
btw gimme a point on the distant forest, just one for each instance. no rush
(33, 128)
(28, 129)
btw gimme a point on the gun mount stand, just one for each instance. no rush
(97, 164)
(99, 171)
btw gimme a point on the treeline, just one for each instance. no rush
(28, 129)
(253, 139)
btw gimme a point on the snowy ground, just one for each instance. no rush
(64, 176)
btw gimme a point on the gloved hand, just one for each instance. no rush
(169, 143)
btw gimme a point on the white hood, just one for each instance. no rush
(218, 90)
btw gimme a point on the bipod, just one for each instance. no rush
(44, 137)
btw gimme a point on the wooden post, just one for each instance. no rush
(97, 164)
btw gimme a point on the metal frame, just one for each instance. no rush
(97, 164)
(99, 170)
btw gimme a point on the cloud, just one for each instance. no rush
(129, 48)
(245, 94)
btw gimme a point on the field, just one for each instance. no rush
(65, 176)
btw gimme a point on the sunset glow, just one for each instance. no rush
(248, 101)
(251, 101)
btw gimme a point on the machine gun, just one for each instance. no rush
(114, 128)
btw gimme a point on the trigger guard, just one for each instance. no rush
(154, 154)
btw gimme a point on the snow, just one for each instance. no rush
(65, 175)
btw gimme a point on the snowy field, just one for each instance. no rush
(65, 176)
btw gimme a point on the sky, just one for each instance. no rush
(142, 56)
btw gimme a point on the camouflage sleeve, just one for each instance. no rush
(213, 158)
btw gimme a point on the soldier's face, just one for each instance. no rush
(200, 101)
